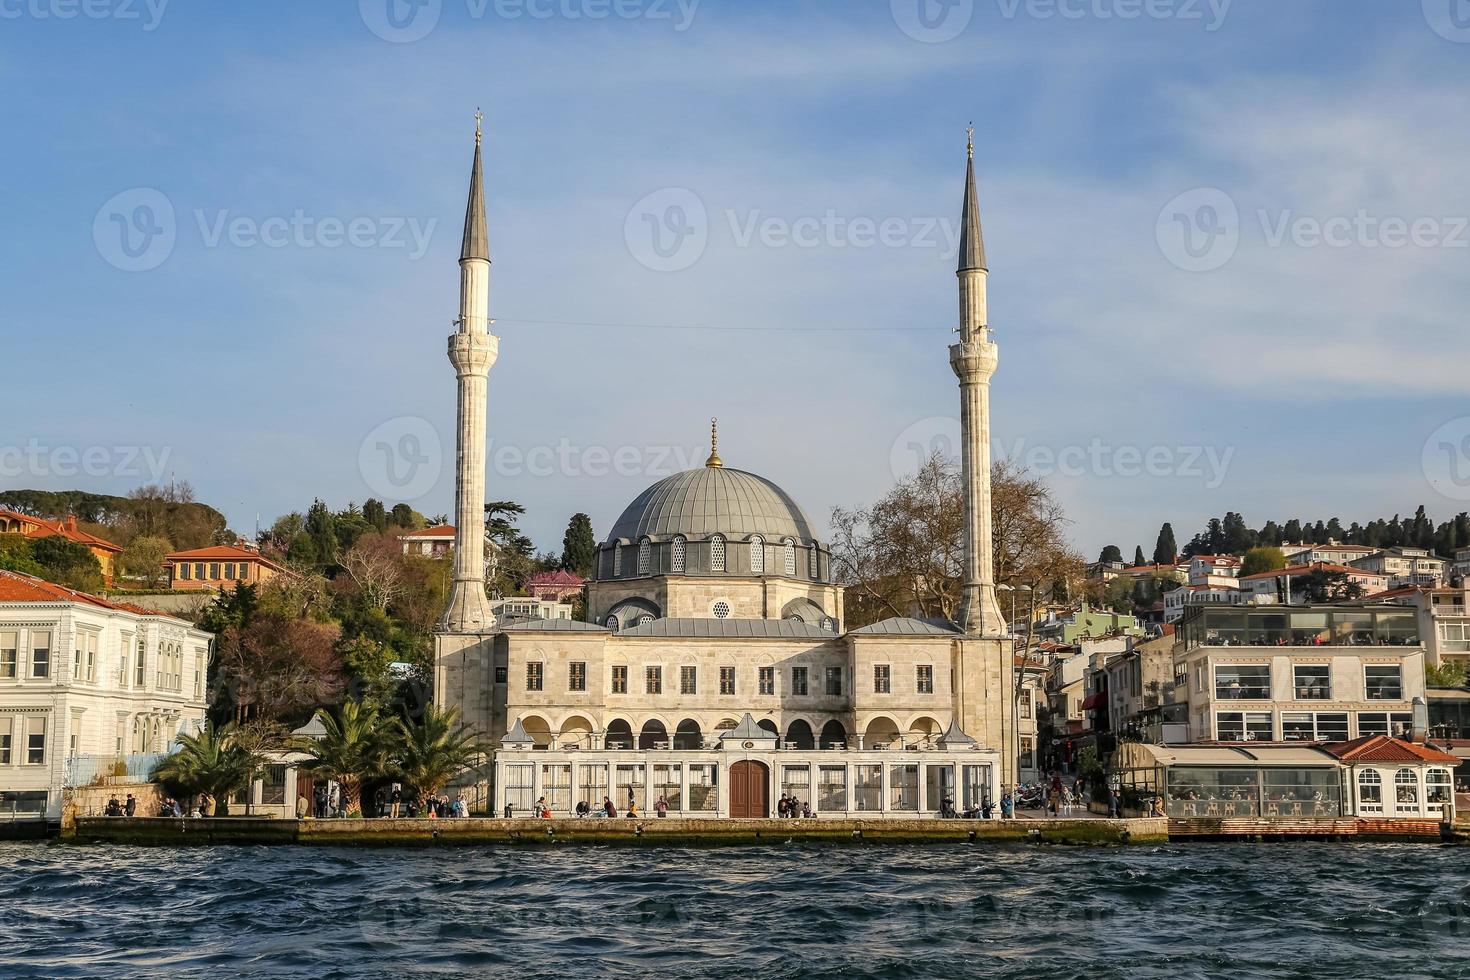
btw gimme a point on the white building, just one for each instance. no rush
(86, 683)
(1299, 673)
(1405, 566)
(1290, 582)
(1178, 601)
(1216, 570)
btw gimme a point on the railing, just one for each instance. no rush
(83, 770)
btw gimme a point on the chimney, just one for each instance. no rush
(71, 522)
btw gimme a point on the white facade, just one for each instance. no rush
(84, 683)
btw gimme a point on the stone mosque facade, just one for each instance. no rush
(715, 670)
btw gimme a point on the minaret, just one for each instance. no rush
(472, 351)
(973, 360)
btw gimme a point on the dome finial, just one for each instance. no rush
(970, 142)
(714, 444)
(479, 117)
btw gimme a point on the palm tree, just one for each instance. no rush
(435, 750)
(213, 761)
(354, 747)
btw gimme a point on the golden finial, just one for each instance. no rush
(970, 142)
(714, 444)
(478, 116)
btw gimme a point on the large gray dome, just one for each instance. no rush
(713, 500)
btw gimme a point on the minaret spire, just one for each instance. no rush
(472, 351)
(974, 360)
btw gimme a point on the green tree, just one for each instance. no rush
(1450, 673)
(1111, 554)
(143, 559)
(1262, 559)
(353, 748)
(216, 760)
(431, 752)
(321, 527)
(1320, 586)
(374, 513)
(1166, 552)
(15, 555)
(67, 562)
(578, 547)
(1138, 556)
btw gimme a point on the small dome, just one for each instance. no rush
(713, 500)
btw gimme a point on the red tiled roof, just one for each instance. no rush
(221, 552)
(1382, 748)
(1325, 566)
(46, 528)
(437, 531)
(20, 587)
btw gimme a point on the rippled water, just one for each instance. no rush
(1177, 911)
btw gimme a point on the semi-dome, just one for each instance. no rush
(712, 500)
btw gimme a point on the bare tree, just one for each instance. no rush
(375, 566)
(904, 555)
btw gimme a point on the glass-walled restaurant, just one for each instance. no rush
(1307, 627)
(1216, 781)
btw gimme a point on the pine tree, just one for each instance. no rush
(578, 547)
(321, 527)
(1293, 532)
(1166, 552)
(1138, 556)
(374, 513)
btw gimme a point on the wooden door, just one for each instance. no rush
(749, 789)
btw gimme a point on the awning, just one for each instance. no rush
(1093, 701)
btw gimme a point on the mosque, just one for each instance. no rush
(715, 670)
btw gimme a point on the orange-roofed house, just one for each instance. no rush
(431, 542)
(1390, 777)
(221, 566)
(14, 522)
(560, 585)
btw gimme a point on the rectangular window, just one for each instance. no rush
(140, 665)
(1025, 703)
(668, 783)
(653, 680)
(1025, 754)
(199, 570)
(1243, 682)
(834, 681)
(798, 680)
(243, 570)
(831, 789)
(630, 788)
(198, 676)
(556, 786)
(183, 570)
(1332, 727)
(1296, 726)
(9, 654)
(592, 785)
(273, 786)
(35, 741)
(5, 749)
(1311, 682)
(533, 675)
(867, 787)
(924, 679)
(1383, 682)
(214, 570)
(230, 570)
(704, 788)
(903, 787)
(40, 653)
(797, 781)
(501, 675)
(577, 675)
(84, 664)
(520, 783)
(1248, 726)
(768, 680)
(620, 679)
(687, 681)
(881, 679)
(727, 680)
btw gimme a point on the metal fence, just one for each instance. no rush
(84, 770)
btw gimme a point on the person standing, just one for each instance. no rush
(395, 799)
(662, 806)
(608, 808)
(130, 807)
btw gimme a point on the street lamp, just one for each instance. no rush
(1015, 753)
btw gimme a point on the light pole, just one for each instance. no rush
(1014, 755)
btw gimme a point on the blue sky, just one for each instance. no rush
(1227, 245)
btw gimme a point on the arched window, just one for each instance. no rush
(811, 561)
(717, 554)
(1370, 791)
(611, 623)
(1406, 791)
(788, 555)
(643, 620)
(1438, 788)
(757, 556)
(617, 560)
(645, 553)
(676, 562)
